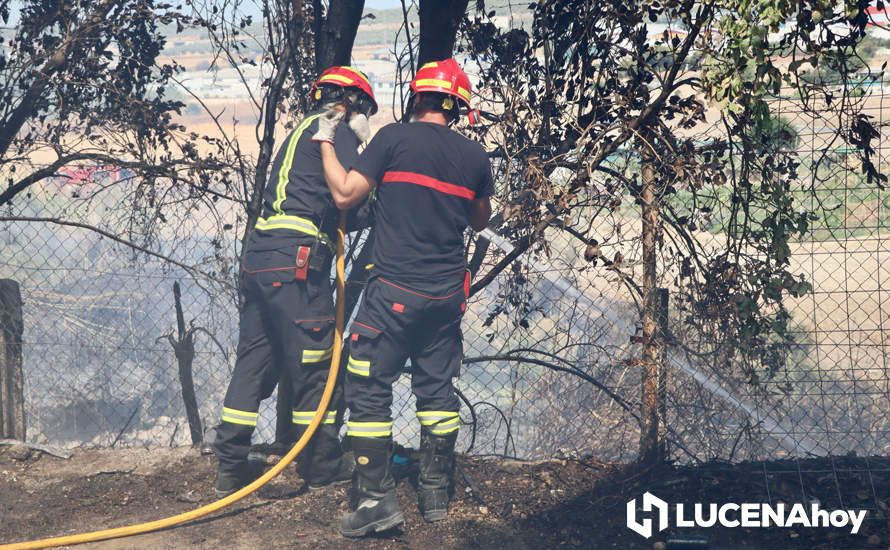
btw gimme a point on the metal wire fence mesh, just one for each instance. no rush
(550, 362)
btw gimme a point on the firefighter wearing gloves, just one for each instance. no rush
(431, 182)
(287, 314)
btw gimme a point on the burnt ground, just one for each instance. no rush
(498, 503)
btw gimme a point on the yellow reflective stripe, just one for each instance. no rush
(436, 414)
(360, 368)
(245, 414)
(295, 223)
(433, 82)
(317, 355)
(374, 424)
(442, 424)
(305, 417)
(430, 65)
(337, 78)
(440, 421)
(464, 93)
(234, 416)
(284, 171)
(369, 429)
(444, 430)
(358, 372)
(286, 221)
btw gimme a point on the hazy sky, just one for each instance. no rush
(378, 4)
(15, 6)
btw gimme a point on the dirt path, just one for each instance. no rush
(499, 504)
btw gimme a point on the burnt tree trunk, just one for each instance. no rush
(652, 447)
(12, 382)
(439, 20)
(335, 34)
(184, 348)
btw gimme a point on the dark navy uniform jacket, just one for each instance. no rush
(426, 176)
(297, 189)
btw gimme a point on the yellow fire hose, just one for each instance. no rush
(184, 517)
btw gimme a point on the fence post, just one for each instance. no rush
(662, 322)
(652, 448)
(12, 384)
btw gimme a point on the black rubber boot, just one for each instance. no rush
(378, 506)
(231, 443)
(435, 480)
(343, 474)
(322, 462)
(230, 480)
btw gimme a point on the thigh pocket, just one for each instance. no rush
(363, 343)
(279, 277)
(316, 339)
(269, 267)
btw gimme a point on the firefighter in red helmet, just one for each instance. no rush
(287, 313)
(430, 183)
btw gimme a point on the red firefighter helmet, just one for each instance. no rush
(346, 77)
(445, 77)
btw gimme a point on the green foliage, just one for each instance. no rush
(774, 134)
(590, 79)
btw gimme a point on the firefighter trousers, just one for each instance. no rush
(396, 323)
(286, 323)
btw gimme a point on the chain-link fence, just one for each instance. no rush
(550, 360)
(830, 399)
(98, 368)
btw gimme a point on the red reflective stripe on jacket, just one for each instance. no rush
(432, 183)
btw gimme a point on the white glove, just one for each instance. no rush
(327, 125)
(360, 126)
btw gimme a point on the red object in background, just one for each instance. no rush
(877, 16)
(80, 176)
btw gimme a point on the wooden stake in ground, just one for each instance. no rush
(184, 348)
(12, 382)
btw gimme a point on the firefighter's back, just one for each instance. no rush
(427, 176)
